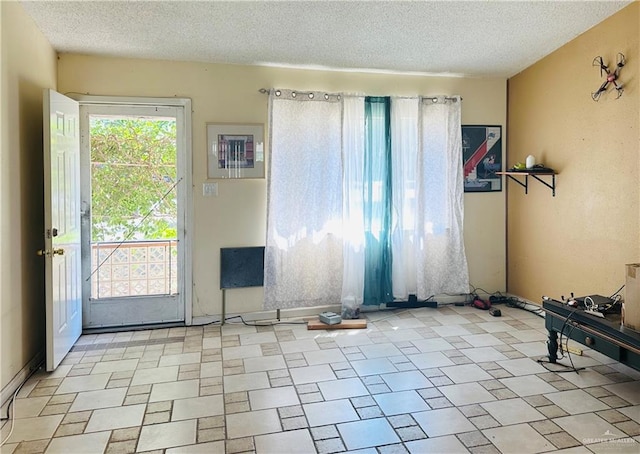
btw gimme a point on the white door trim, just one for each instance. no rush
(185, 103)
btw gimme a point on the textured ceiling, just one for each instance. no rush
(473, 38)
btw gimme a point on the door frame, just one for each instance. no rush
(185, 104)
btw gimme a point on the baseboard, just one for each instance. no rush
(20, 377)
(524, 300)
(268, 315)
(308, 311)
(433, 302)
(452, 299)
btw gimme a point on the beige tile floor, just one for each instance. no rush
(446, 380)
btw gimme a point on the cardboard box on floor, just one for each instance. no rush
(631, 306)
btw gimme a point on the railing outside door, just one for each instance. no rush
(134, 268)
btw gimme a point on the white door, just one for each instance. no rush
(61, 253)
(133, 163)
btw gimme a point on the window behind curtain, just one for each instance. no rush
(364, 201)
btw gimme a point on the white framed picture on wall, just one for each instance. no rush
(235, 150)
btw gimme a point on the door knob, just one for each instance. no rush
(44, 252)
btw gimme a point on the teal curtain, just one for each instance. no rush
(377, 201)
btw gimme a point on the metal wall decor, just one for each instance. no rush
(612, 76)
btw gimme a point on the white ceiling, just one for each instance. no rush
(473, 38)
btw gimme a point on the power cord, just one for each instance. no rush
(13, 397)
(516, 303)
(617, 291)
(233, 317)
(12, 407)
(510, 301)
(474, 290)
(572, 368)
(568, 336)
(261, 324)
(609, 308)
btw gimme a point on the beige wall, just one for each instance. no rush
(580, 240)
(28, 66)
(228, 93)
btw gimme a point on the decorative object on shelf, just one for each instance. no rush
(530, 161)
(612, 76)
(235, 150)
(522, 168)
(482, 158)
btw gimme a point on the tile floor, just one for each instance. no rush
(446, 380)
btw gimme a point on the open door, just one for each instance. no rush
(63, 286)
(132, 171)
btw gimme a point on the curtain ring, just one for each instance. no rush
(278, 92)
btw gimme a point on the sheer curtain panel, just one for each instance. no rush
(441, 262)
(404, 156)
(303, 254)
(353, 206)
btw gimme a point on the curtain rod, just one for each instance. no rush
(434, 99)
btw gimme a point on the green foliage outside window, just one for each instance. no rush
(133, 177)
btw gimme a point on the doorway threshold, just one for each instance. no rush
(119, 329)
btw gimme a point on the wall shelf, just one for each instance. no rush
(535, 175)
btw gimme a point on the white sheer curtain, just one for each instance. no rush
(303, 254)
(353, 208)
(404, 151)
(442, 262)
(315, 223)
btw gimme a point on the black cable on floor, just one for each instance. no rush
(517, 304)
(262, 324)
(13, 397)
(571, 368)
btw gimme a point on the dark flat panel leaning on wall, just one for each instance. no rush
(241, 267)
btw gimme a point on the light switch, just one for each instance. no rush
(210, 189)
